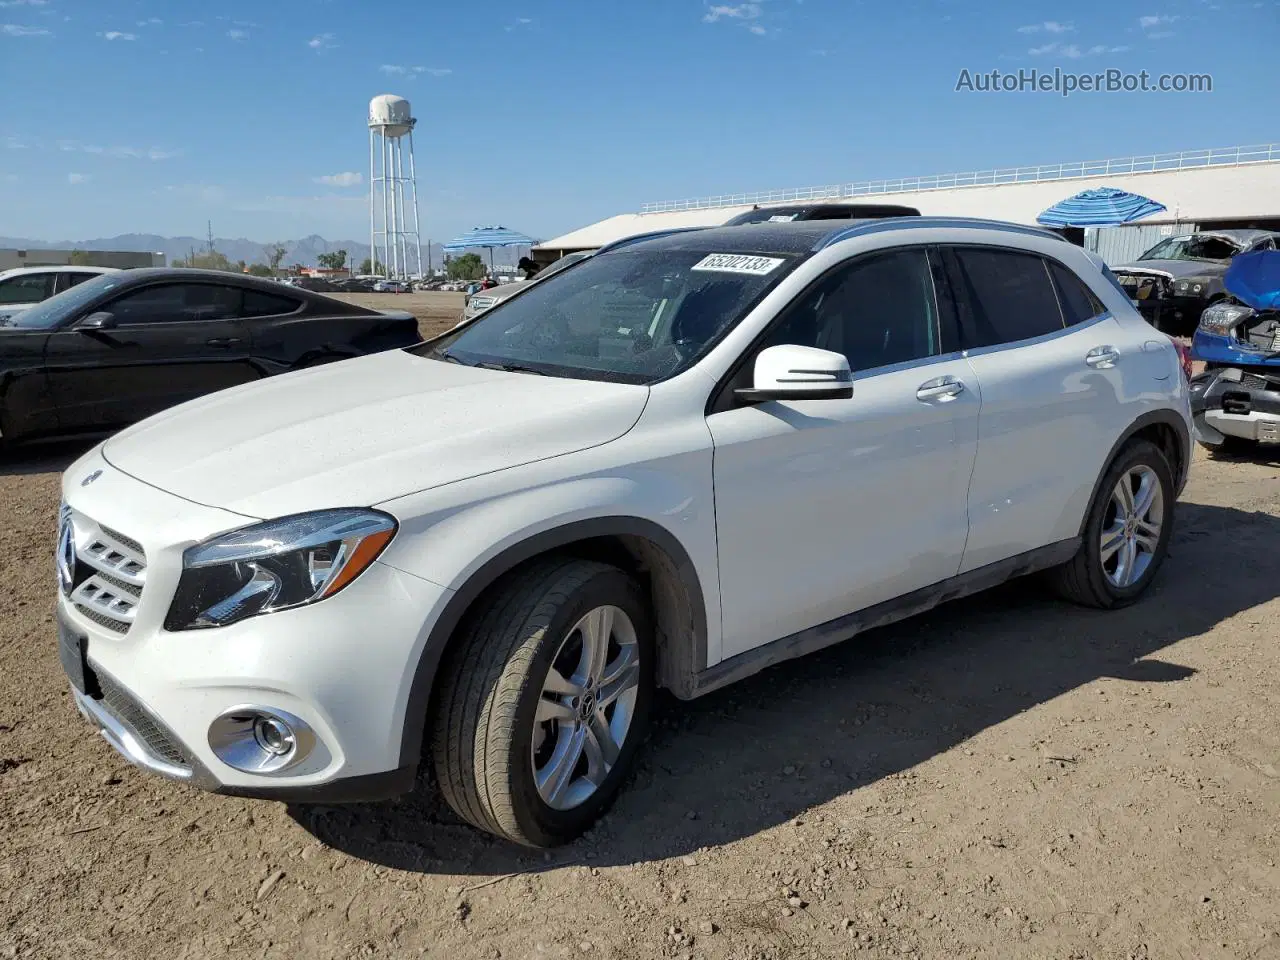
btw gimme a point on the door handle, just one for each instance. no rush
(222, 341)
(1103, 358)
(941, 389)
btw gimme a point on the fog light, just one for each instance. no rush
(259, 740)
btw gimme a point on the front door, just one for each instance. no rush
(168, 343)
(827, 507)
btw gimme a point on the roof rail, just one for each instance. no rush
(908, 223)
(651, 235)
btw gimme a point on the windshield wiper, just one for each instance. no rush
(446, 356)
(510, 368)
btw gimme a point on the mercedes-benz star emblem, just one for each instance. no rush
(90, 478)
(66, 555)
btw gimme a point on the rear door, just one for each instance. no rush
(1050, 396)
(171, 341)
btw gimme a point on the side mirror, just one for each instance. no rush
(101, 320)
(788, 372)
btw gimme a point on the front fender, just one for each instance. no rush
(468, 547)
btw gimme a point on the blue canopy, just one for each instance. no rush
(1254, 279)
(1100, 207)
(489, 237)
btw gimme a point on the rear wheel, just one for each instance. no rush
(544, 701)
(1127, 531)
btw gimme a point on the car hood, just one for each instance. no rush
(364, 431)
(1177, 269)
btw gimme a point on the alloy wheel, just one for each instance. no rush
(586, 707)
(1131, 526)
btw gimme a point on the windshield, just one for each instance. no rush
(1204, 247)
(52, 312)
(632, 316)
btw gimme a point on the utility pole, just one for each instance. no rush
(210, 237)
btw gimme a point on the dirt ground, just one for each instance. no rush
(436, 311)
(1006, 777)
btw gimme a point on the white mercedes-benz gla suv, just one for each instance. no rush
(678, 462)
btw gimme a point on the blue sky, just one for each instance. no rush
(125, 116)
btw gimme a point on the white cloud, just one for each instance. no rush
(520, 22)
(77, 178)
(1049, 26)
(10, 178)
(118, 35)
(23, 3)
(238, 35)
(322, 42)
(394, 70)
(758, 30)
(1071, 52)
(150, 22)
(741, 11)
(118, 153)
(434, 71)
(1146, 23)
(1040, 51)
(1101, 49)
(340, 180)
(17, 30)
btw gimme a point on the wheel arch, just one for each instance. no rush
(641, 547)
(1168, 431)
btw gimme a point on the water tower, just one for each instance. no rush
(393, 216)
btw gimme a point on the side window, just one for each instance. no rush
(877, 311)
(176, 302)
(27, 288)
(1078, 301)
(259, 304)
(68, 280)
(1004, 296)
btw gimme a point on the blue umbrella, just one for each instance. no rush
(1100, 207)
(1254, 279)
(489, 237)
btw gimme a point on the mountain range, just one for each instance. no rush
(303, 252)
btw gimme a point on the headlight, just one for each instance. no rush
(1192, 286)
(275, 565)
(1223, 318)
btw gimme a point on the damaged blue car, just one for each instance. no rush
(1235, 401)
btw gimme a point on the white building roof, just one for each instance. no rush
(1245, 186)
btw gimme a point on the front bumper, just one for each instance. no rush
(343, 666)
(1236, 402)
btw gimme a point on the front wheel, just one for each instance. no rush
(1126, 534)
(544, 701)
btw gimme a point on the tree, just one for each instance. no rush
(275, 255)
(371, 269)
(260, 270)
(333, 261)
(208, 261)
(468, 267)
(79, 258)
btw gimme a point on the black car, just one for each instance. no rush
(823, 211)
(1174, 281)
(125, 345)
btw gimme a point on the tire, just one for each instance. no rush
(490, 749)
(1092, 581)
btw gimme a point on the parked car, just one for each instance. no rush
(1235, 402)
(24, 287)
(681, 461)
(1179, 277)
(784, 213)
(482, 300)
(127, 344)
(391, 286)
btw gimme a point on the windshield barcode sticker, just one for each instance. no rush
(738, 263)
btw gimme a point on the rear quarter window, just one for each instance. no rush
(1004, 296)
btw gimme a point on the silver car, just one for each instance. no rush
(484, 300)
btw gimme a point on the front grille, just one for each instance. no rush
(124, 708)
(1252, 381)
(110, 571)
